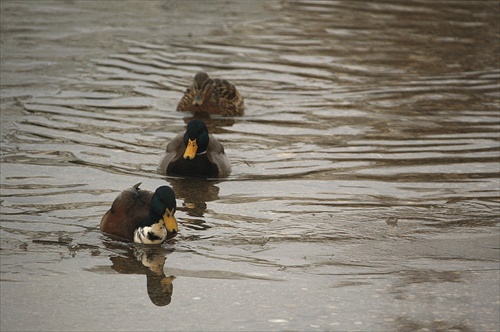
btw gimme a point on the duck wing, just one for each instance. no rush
(217, 155)
(127, 212)
(186, 103)
(228, 98)
(174, 151)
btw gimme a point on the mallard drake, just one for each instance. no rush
(195, 153)
(215, 96)
(142, 216)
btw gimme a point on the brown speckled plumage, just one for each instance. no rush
(211, 95)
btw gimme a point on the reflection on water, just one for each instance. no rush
(148, 260)
(364, 171)
(195, 194)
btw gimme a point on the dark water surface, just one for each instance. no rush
(365, 185)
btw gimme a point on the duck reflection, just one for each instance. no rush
(148, 260)
(195, 192)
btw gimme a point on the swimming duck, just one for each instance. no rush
(195, 153)
(142, 216)
(215, 96)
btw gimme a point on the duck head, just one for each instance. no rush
(161, 224)
(202, 87)
(195, 139)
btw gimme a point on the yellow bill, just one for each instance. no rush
(191, 149)
(170, 222)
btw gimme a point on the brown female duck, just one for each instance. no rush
(214, 96)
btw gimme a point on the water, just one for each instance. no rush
(365, 185)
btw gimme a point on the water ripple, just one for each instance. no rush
(355, 112)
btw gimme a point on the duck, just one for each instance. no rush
(142, 216)
(214, 96)
(195, 153)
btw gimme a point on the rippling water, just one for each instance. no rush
(365, 186)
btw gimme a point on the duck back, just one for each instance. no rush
(128, 211)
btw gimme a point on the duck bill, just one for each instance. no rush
(198, 99)
(171, 223)
(191, 149)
